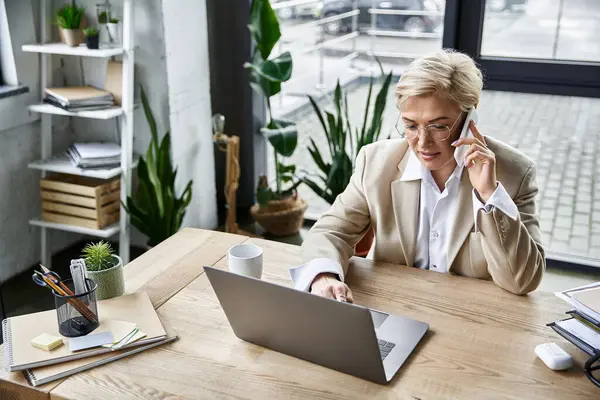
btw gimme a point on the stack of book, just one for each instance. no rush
(79, 98)
(95, 155)
(582, 327)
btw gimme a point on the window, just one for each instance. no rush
(340, 39)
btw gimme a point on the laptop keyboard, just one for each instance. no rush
(385, 348)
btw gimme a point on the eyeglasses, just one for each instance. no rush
(438, 132)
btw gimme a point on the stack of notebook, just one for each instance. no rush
(79, 98)
(131, 319)
(582, 327)
(95, 155)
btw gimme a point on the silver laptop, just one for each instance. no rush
(345, 337)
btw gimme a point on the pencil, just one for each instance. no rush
(76, 303)
(62, 285)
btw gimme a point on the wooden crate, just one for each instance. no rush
(82, 201)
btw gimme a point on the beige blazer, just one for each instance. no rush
(508, 252)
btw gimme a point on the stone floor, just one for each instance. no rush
(562, 134)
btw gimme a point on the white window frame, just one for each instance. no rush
(19, 69)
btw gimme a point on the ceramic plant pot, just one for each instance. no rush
(72, 37)
(92, 42)
(110, 281)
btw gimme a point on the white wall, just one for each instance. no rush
(186, 45)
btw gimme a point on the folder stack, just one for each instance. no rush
(582, 327)
(79, 98)
(95, 155)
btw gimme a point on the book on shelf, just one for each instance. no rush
(95, 155)
(78, 98)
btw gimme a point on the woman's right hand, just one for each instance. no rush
(327, 285)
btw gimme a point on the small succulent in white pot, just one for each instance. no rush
(105, 268)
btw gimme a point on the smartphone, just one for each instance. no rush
(459, 153)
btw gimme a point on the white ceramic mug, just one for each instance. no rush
(245, 259)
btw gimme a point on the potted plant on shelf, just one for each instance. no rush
(157, 211)
(344, 142)
(114, 31)
(104, 268)
(69, 18)
(91, 38)
(279, 210)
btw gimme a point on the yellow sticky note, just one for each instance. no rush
(47, 342)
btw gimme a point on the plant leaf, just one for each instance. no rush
(278, 69)
(149, 118)
(263, 196)
(380, 102)
(264, 26)
(260, 84)
(323, 124)
(319, 191)
(316, 156)
(283, 136)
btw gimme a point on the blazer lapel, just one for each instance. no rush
(463, 220)
(405, 200)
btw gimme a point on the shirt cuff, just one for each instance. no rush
(499, 199)
(304, 275)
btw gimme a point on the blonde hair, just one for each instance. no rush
(447, 73)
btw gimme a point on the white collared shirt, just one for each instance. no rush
(435, 222)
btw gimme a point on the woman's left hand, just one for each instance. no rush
(480, 162)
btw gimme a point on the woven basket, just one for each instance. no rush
(281, 217)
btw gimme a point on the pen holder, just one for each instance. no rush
(78, 314)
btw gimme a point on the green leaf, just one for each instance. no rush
(164, 166)
(319, 191)
(378, 110)
(283, 136)
(323, 124)
(316, 156)
(333, 130)
(263, 196)
(149, 118)
(286, 168)
(155, 183)
(264, 26)
(258, 83)
(278, 69)
(361, 139)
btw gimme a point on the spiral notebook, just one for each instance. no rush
(18, 331)
(43, 375)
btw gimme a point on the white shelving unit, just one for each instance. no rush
(50, 163)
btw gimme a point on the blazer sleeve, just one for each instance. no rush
(339, 229)
(512, 248)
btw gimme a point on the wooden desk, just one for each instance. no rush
(480, 344)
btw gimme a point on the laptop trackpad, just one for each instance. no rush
(378, 318)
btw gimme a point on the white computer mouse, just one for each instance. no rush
(554, 356)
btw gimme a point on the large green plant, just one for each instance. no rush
(334, 175)
(69, 16)
(266, 76)
(156, 210)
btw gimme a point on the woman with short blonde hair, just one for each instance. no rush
(437, 199)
